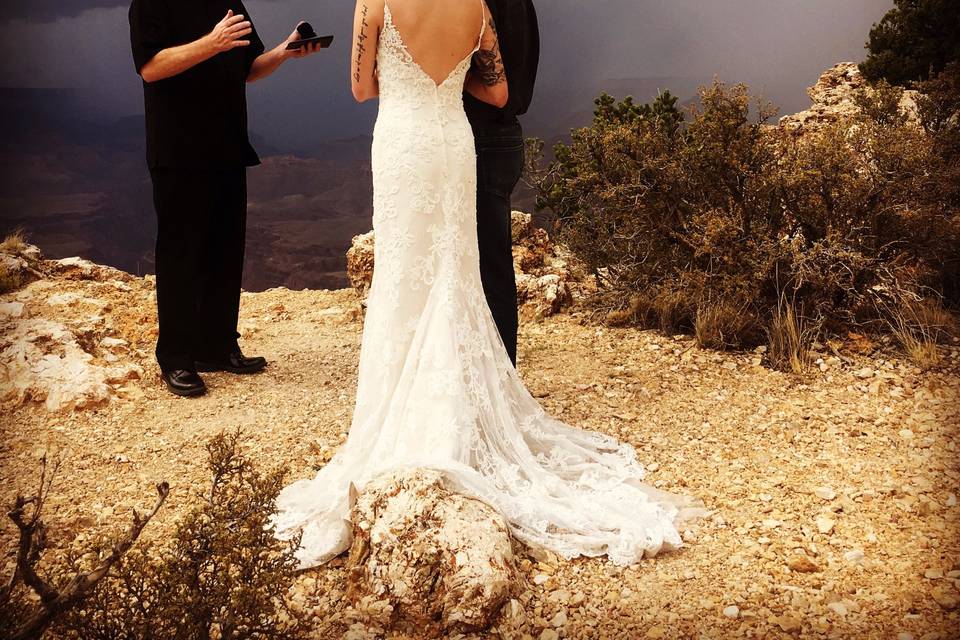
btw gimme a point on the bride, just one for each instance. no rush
(436, 386)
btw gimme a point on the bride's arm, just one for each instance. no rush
(363, 63)
(487, 80)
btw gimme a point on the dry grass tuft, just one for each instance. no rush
(721, 325)
(672, 308)
(14, 243)
(636, 312)
(919, 327)
(787, 339)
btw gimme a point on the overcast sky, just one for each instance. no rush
(777, 46)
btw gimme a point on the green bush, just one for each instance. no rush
(913, 41)
(706, 226)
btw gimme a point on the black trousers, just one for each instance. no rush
(201, 230)
(499, 165)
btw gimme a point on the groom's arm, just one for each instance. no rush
(363, 62)
(487, 79)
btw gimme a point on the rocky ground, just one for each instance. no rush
(833, 494)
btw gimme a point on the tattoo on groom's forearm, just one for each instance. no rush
(361, 40)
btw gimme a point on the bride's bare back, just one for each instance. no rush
(438, 36)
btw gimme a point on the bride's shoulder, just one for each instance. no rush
(370, 12)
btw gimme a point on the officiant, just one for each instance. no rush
(195, 59)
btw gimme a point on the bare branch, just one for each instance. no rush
(54, 602)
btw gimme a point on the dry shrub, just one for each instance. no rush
(695, 227)
(636, 312)
(222, 575)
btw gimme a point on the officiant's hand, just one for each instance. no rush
(229, 32)
(303, 51)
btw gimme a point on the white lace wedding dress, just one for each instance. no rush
(436, 386)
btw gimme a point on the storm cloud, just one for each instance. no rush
(43, 11)
(779, 47)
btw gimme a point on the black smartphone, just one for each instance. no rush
(324, 42)
(309, 36)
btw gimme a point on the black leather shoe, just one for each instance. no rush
(184, 383)
(236, 362)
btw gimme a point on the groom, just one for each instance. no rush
(195, 59)
(499, 142)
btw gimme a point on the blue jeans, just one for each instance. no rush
(499, 165)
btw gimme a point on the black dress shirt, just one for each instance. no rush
(519, 36)
(197, 119)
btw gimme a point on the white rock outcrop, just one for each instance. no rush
(543, 274)
(44, 361)
(425, 557)
(57, 341)
(834, 99)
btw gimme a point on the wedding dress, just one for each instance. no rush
(436, 387)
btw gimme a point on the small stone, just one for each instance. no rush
(733, 611)
(854, 556)
(549, 634)
(945, 597)
(825, 524)
(838, 608)
(906, 434)
(825, 493)
(657, 632)
(933, 574)
(866, 372)
(540, 578)
(788, 622)
(560, 619)
(802, 564)
(904, 636)
(952, 500)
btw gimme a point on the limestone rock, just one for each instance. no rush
(20, 264)
(360, 263)
(436, 557)
(80, 269)
(833, 99)
(45, 361)
(543, 274)
(65, 360)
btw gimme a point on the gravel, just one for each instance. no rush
(827, 520)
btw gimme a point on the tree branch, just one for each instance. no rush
(54, 602)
